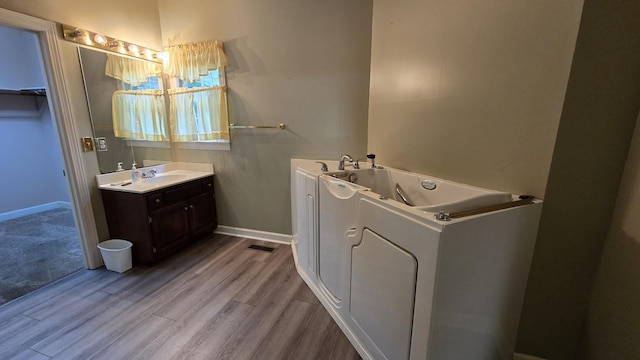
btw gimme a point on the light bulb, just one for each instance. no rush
(100, 39)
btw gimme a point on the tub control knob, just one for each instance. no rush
(372, 157)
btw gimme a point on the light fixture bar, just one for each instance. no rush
(96, 40)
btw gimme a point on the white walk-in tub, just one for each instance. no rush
(411, 266)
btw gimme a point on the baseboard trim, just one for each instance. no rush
(518, 356)
(254, 234)
(9, 215)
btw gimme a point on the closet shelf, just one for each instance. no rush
(24, 92)
(22, 103)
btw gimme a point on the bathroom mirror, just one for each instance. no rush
(109, 85)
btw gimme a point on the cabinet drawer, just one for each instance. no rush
(182, 192)
(155, 201)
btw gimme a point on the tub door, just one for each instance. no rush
(383, 283)
(338, 202)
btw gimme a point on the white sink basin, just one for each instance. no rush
(161, 179)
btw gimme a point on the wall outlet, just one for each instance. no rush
(101, 144)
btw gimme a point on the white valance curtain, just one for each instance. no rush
(197, 114)
(188, 62)
(138, 115)
(130, 71)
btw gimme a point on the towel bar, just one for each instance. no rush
(234, 126)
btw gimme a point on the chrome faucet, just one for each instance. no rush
(323, 166)
(342, 159)
(149, 174)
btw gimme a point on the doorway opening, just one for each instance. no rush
(39, 240)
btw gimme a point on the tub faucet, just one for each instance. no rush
(323, 166)
(342, 159)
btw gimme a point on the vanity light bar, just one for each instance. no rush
(96, 40)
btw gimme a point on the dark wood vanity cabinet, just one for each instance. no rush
(161, 221)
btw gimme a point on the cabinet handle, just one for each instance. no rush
(209, 184)
(157, 201)
(191, 207)
(186, 208)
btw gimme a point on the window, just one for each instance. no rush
(152, 83)
(198, 98)
(212, 79)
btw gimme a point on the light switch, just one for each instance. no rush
(87, 143)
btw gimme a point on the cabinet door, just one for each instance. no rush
(202, 214)
(170, 227)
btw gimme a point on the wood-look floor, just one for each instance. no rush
(217, 299)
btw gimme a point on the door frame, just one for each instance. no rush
(61, 111)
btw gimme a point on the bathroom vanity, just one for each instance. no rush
(411, 266)
(163, 213)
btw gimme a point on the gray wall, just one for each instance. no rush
(135, 21)
(302, 63)
(471, 91)
(597, 122)
(611, 330)
(31, 175)
(19, 62)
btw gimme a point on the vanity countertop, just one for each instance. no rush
(166, 175)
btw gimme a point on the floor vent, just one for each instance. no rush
(261, 248)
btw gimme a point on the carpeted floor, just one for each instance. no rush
(36, 250)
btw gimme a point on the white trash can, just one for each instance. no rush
(116, 254)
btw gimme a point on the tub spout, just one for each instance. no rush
(342, 160)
